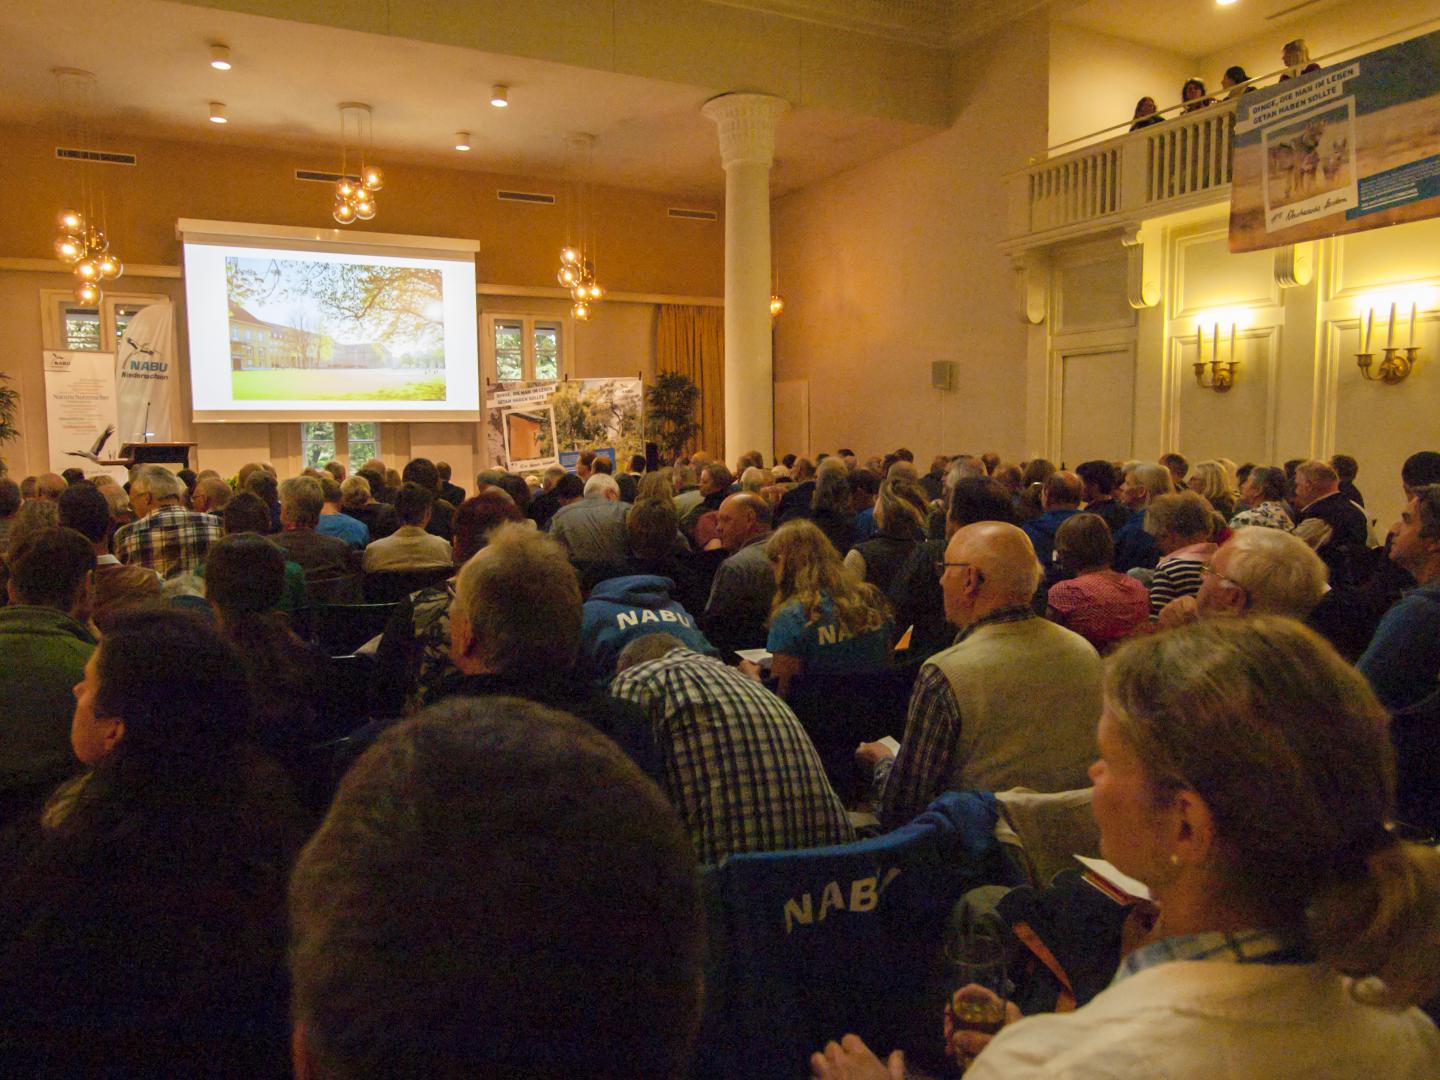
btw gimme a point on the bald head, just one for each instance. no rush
(743, 516)
(998, 569)
(50, 486)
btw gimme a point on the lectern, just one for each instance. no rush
(153, 453)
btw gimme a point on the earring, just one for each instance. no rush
(1174, 859)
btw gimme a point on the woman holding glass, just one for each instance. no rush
(1246, 777)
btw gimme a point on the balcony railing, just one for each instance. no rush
(1159, 169)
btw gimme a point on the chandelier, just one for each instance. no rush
(355, 192)
(577, 265)
(82, 242)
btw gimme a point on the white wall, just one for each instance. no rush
(896, 264)
(1096, 79)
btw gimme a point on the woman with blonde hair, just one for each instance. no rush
(901, 513)
(823, 619)
(1210, 480)
(1246, 777)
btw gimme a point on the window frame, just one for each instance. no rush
(341, 429)
(53, 321)
(564, 354)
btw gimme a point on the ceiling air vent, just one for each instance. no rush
(526, 197)
(693, 215)
(322, 177)
(101, 157)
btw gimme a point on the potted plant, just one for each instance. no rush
(670, 412)
(9, 407)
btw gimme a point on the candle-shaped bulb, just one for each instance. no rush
(1390, 334)
(1410, 341)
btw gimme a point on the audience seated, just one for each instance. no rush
(1318, 497)
(830, 508)
(453, 494)
(325, 559)
(334, 522)
(145, 933)
(900, 513)
(621, 609)
(113, 586)
(1211, 482)
(1262, 836)
(1403, 659)
(1101, 478)
(422, 471)
(1182, 525)
(263, 483)
(1013, 703)
(1262, 498)
(593, 528)
(357, 502)
(1134, 546)
(738, 610)
(49, 486)
(209, 495)
(246, 513)
(411, 546)
(44, 645)
(1099, 603)
(737, 765)
(715, 484)
(1256, 572)
(796, 502)
(1060, 498)
(823, 619)
(167, 538)
(1194, 95)
(9, 506)
(544, 504)
(653, 535)
(496, 892)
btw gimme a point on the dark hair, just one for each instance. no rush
(569, 486)
(10, 498)
(1270, 481)
(865, 481)
(73, 476)
(443, 470)
(1063, 487)
(376, 479)
(86, 510)
(980, 499)
(1082, 541)
(476, 516)
(651, 526)
(1141, 104)
(187, 476)
(1243, 473)
(1037, 471)
(903, 454)
(200, 702)
(719, 475)
(516, 488)
(244, 572)
(1100, 474)
(1421, 469)
(413, 501)
(1346, 467)
(453, 878)
(421, 471)
(586, 458)
(49, 568)
(246, 512)
(1188, 83)
(603, 465)
(1235, 73)
(1176, 463)
(788, 460)
(637, 463)
(844, 451)
(261, 483)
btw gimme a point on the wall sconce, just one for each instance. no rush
(1398, 362)
(1221, 372)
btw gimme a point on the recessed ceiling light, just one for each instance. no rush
(462, 140)
(500, 95)
(1224, 3)
(220, 57)
(217, 113)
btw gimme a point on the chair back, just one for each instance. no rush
(807, 945)
(1415, 731)
(341, 589)
(392, 586)
(340, 629)
(1046, 830)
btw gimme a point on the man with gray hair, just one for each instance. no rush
(1258, 571)
(323, 558)
(544, 505)
(592, 530)
(1134, 547)
(744, 585)
(167, 538)
(1013, 703)
(210, 495)
(1318, 498)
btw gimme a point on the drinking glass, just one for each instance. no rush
(978, 987)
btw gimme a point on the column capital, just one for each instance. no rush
(747, 127)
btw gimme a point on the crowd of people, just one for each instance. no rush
(587, 689)
(1194, 96)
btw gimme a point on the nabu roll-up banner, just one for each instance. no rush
(80, 409)
(145, 380)
(1350, 147)
(529, 425)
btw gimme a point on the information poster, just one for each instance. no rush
(529, 425)
(80, 409)
(1350, 147)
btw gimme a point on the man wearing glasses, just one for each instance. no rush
(1014, 702)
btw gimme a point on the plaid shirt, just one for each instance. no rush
(1241, 947)
(738, 766)
(932, 734)
(169, 541)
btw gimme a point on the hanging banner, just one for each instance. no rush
(1347, 148)
(529, 425)
(145, 375)
(80, 409)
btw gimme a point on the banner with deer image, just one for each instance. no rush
(145, 382)
(1350, 147)
(80, 409)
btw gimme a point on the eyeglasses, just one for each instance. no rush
(1208, 569)
(941, 564)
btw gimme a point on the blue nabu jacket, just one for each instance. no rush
(624, 608)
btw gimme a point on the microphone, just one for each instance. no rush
(145, 430)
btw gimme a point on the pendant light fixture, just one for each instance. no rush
(83, 242)
(577, 257)
(355, 192)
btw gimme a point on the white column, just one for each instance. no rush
(747, 150)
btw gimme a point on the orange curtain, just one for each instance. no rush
(690, 339)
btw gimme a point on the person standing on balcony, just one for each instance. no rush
(1237, 82)
(1146, 114)
(1194, 95)
(1296, 58)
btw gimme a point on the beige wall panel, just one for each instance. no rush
(1083, 101)
(847, 70)
(727, 48)
(1380, 259)
(792, 418)
(1097, 405)
(1208, 276)
(1091, 295)
(1238, 423)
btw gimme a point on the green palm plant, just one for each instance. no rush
(670, 412)
(9, 416)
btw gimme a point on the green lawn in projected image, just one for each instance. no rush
(337, 385)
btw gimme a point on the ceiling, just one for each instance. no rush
(1194, 28)
(153, 78)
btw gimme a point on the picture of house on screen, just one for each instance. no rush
(322, 330)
